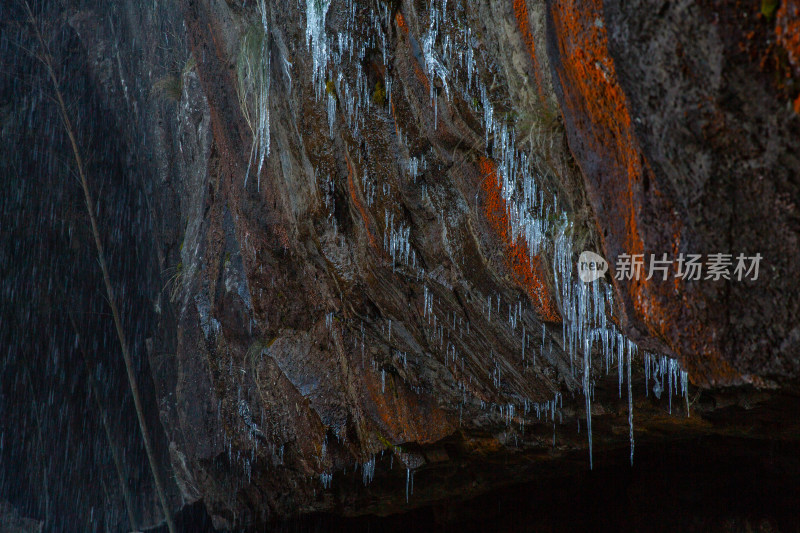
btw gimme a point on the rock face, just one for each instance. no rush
(687, 146)
(362, 221)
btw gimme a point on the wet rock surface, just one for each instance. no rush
(721, 139)
(355, 325)
(687, 147)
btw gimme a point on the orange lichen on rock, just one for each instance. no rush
(593, 95)
(402, 416)
(588, 70)
(418, 70)
(787, 29)
(401, 22)
(397, 130)
(521, 14)
(524, 268)
(421, 76)
(351, 187)
(596, 108)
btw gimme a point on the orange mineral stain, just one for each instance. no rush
(418, 71)
(402, 416)
(521, 14)
(401, 22)
(787, 29)
(357, 202)
(525, 269)
(598, 108)
(588, 70)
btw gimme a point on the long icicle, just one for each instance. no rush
(588, 396)
(137, 401)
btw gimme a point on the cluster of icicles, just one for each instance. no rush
(449, 54)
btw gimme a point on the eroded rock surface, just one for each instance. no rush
(389, 295)
(683, 127)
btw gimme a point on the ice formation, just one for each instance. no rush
(254, 87)
(317, 39)
(449, 55)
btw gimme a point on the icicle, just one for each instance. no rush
(586, 385)
(316, 39)
(326, 479)
(685, 388)
(255, 78)
(331, 113)
(368, 471)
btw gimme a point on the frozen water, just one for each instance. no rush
(317, 40)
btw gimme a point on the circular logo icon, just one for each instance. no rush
(591, 266)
